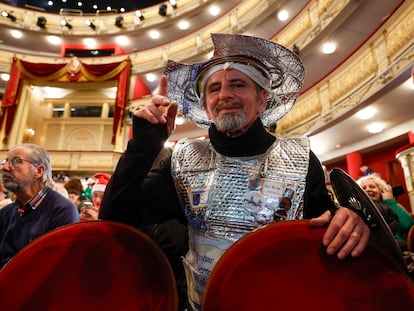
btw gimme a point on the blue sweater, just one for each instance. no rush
(17, 230)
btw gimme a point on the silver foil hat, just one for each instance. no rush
(282, 67)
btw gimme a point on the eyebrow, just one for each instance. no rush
(245, 81)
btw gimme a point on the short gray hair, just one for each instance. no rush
(40, 156)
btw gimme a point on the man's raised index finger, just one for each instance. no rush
(162, 89)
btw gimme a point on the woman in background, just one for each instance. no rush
(381, 193)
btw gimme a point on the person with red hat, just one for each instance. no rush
(90, 210)
(235, 181)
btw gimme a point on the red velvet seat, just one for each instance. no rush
(285, 267)
(92, 265)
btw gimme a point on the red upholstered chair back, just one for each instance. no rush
(92, 265)
(285, 267)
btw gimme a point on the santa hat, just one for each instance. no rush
(102, 180)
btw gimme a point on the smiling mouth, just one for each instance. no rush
(228, 108)
(6, 177)
(370, 194)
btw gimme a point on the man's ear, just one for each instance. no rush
(203, 102)
(262, 100)
(40, 169)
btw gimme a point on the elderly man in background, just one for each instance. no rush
(38, 208)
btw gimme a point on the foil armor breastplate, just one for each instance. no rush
(230, 196)
(226, 197)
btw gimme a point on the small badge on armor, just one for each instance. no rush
(199, 198)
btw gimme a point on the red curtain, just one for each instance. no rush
(73, 71)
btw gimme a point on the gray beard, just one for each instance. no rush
(231, 123)
(12, 185)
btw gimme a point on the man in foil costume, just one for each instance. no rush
(241, 178)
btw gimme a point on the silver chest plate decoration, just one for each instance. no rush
(226, 197)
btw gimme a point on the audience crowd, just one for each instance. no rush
(34, 202)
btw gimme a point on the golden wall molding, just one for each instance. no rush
(386, 54)
(315, 19)
(350, 79)
(307, 25)
(383, 57)
(401, 32)
(238, 18)
(324, 5)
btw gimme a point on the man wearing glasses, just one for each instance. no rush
(38, 208)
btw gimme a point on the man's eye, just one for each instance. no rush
(214, 89)
(238, 85)
(15, 160)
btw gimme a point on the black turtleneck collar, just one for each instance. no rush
(255, 141)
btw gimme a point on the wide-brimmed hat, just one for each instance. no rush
(283, 69)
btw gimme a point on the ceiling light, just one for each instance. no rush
(90, 42)
(89, 23)
(122, 40)
(329, 47)
(154, 34)
(214, 10)
(79, 3)
(119, 21)
(5, 76)
(282, 15)
(31, 131)
(50, 3)
(162, 10)
(366, 113)
(173, 4)
(55, 40)
(138, 13)
(16, 33)
(65, 23)
(375, 127)
(41, 22)
(150, 77)
(183, 25)
(9, 16)
(179, 120)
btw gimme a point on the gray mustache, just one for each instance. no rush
(227, 105)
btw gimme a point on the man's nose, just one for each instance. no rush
(6, 166)
(226, 92)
